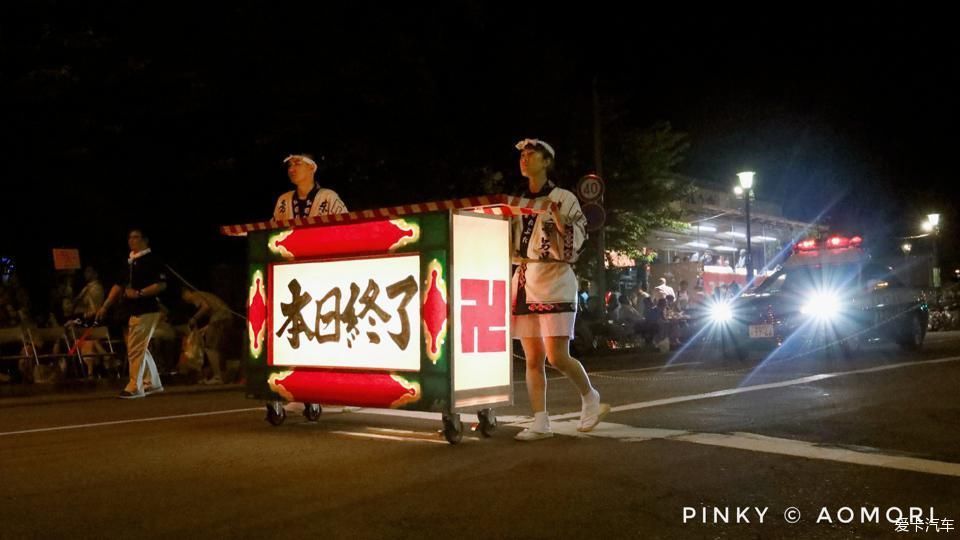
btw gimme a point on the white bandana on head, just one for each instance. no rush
(303, 158)
(537, 142)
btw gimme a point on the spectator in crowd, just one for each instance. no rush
(212, 319)
(626, 314)
(61, 300)
(653, 320)
(672, 309)
(662, 290)
(91, 296)
(683, 297)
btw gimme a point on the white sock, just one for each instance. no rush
(591, 398)
(541, 421)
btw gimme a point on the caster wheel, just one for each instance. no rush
(275, 413)
(311, 411)
(452, 428)
(488, 422)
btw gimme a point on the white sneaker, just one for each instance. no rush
(531, 435)
(213, 380)
(591, 415)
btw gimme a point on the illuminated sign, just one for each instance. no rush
(66, 259)
(362, 313)
(481, 306)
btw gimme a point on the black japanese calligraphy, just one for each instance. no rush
(328, 317)
(293, 316)
(408, 288)
(334, 318)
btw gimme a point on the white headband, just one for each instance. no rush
(303, 158)
(537, 142)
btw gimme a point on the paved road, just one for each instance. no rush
(691, 441)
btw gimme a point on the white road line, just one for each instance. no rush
(515, 420)
(387, 437)
(763, 444)
(803, 449)
(758, 387)
(652, 368)
(600, 374)
(132, 421)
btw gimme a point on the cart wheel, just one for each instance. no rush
(488, 422)
(311, 411)
(275, 413)
(452, 428)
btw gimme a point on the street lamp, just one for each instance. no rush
(905, 248)
(933, 221)
(746, 187)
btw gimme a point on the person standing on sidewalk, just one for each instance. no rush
(145, 281)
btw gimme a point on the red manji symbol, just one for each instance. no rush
(370, 237)
(257, 314)
(435, 311)
(380, 390)
(483, 322)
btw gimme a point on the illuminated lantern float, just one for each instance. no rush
(405, 307)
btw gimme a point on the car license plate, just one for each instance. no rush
(761, 330)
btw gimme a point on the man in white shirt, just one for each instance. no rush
(308, 199)
(663, 290)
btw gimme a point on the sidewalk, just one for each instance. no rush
(14, 395)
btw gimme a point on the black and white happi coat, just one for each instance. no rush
(549, 286)
(320, 202)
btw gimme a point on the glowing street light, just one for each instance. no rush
(746, 190)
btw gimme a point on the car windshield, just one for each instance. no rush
(817, 277)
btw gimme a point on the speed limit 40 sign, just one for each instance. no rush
(590, 188)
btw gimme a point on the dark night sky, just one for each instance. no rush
(177, 118)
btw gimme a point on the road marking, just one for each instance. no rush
(759, 443)
(758, 387)
(652, 368)
(804, 449)
(132, 421)
(512, 420)
(388, 437)
(605, 373)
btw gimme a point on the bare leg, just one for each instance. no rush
(558, 352)
(535, 353)
(592, 412)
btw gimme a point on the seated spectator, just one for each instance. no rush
(213, 320)
(663, 290)
(85, 306)
(626, 313)
(164, 345)
(652, 321)
(92, 295)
